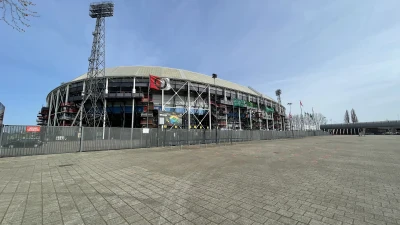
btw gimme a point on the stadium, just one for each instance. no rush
(189, 101)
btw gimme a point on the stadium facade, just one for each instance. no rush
(192, 101)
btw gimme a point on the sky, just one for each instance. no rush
(331, 55)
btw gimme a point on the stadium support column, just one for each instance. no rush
(226, 115)
(82, 105)
(251, 119)
(55, 119)
(50, 106)
(188, 102)
(133, 106)
(162, 100)
(273, 119)
(105, 109)
(66, 97)
(259, 112)
(240, 119)
(209, 107)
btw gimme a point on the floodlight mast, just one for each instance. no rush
(92, 112)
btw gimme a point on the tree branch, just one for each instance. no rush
(16, 13)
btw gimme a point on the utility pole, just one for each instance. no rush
(290, 115)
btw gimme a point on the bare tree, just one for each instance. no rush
(296, 122)
(354, 118)
(317, 119)
(346, 117)
(16, 13)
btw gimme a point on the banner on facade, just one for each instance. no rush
(170, 118)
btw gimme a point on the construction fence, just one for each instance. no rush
(35, 140)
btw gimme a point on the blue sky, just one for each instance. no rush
(332, 55)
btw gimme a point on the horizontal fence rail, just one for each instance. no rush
(33, 140)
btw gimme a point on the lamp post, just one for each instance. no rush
(214, 76)
(290, 115)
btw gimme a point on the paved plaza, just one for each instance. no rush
(315, 180)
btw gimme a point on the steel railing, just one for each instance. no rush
(19, 140)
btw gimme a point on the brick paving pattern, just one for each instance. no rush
(317, 180)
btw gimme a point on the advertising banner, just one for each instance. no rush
(2, 110)
(32, 129)
(170, 119)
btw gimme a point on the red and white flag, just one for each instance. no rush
(301, 104)
(159, 83)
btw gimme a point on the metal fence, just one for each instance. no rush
(32, 140)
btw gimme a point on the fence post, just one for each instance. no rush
(216, 135)
(131, 138)
(141, 137)
(81, 140)
(158, 137)
(231, 136)
(165, 135)
(1, 138)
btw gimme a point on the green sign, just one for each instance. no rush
(251, 104)
(239, 103)
(267, 109)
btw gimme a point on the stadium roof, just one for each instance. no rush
(143, 71)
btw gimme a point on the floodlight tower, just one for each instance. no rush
(94, 87)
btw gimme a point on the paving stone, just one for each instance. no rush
(191, 216)
(286, 220)
(301, 218)
(244, 221)
(200, 221)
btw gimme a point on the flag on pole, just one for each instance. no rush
(159, 83)
(301, 104)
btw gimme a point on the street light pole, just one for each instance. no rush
(290, 115)
(214, 76)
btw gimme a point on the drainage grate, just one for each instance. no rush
(65, 165)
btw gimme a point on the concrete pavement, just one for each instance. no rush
(316, 180)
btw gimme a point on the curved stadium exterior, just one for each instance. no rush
(233, 107)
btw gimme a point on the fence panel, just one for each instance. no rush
(34, 140)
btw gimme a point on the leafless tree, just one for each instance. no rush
(354, 118)
(17, 13)
(315, 120)
(296, 122)
(346, 117)
(319, 120)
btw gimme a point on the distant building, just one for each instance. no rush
(2, 109)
